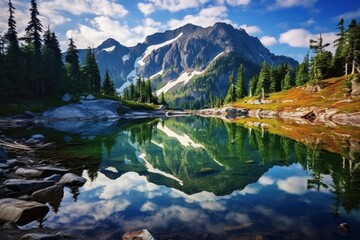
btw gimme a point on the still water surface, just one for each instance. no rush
(201, 178)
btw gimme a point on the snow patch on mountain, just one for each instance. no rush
(130, 78)
(152, 48)
(109, 49)
(184, 78)
(125, 58)
(157, 74)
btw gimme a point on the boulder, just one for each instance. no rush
(21, 212)
(27, 186)
(72, 180)
(138, 235)
(15, 163)
(52, 194)
(38, 137)
(344, 227)
(3, 155)
(41, 236)
(2, 173)
(67, 97)
(54, 177)
(4, 166)
(28, 173)
(90, 97)
(90, 109)
(48, 170)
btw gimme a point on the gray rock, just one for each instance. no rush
(4, 166)
(41, 236)
(27, 186)
(138, 235)
(48, 170)
(50, 194)
(91, 109)
(344, 227)
(67, 97)
(21, 212)
(90, 97)
(3, 155)
(2, 173)
(54, 177)
(10, 226)
(14, 163)
(29, 173)
(38, 137)
(32, 141)
(72, 180)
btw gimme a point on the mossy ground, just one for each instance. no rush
(334, 94)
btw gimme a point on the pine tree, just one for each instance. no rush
(302, 74)
(13, 67)
(353, 41)
(91, 72)
(108, 85)
(73, 68)
(55, 74)
(211, 100)
(288, 80)
(252, 85)
(148, 90)
(273, 80)
(240, 85)
(35, 77)
(321, 64)
(338, 62)
(263, 84)
(162, 99)
(231, 94)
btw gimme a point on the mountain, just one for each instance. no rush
(179, 60)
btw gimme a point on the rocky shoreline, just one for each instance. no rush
(308, 115)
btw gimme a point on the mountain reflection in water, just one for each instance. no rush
(193, 178)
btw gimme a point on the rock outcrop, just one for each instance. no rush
(21, 212)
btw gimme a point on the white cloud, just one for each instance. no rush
(146, 8)
(148, 207)
(251, 29)
(235, 2)
(294, 185)
(268, 41)
(205, 18)
(98, 7)
(350, 15)
(169, 5)
(103, 27)
(292, 3)
(266, 180)
(301, 37)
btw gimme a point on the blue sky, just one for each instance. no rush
(283, 26)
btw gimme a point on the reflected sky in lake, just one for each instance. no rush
(193, 178)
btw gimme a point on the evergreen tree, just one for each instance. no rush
(162, 99)
(302, 73)
(240, 85)
(91, 72)
(132, 92)
(273, 80)
(320, 60)
(288, 80)
(13, 79)
(55, 75)
(73, 68)
(231, 94)
(353, 41)
(338, 62)
(108, 85)
(263, 84)
(148, 90)
(211, 100)
(35, 76)
(252, 85)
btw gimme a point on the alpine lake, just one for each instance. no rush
(202, 178)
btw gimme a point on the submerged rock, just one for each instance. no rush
(344, 227)
(72, 180)
(138, 235)
(52, 194)
(28, 173)
(27, 186)
(21, 212)
(41, 236)
(48, 170)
